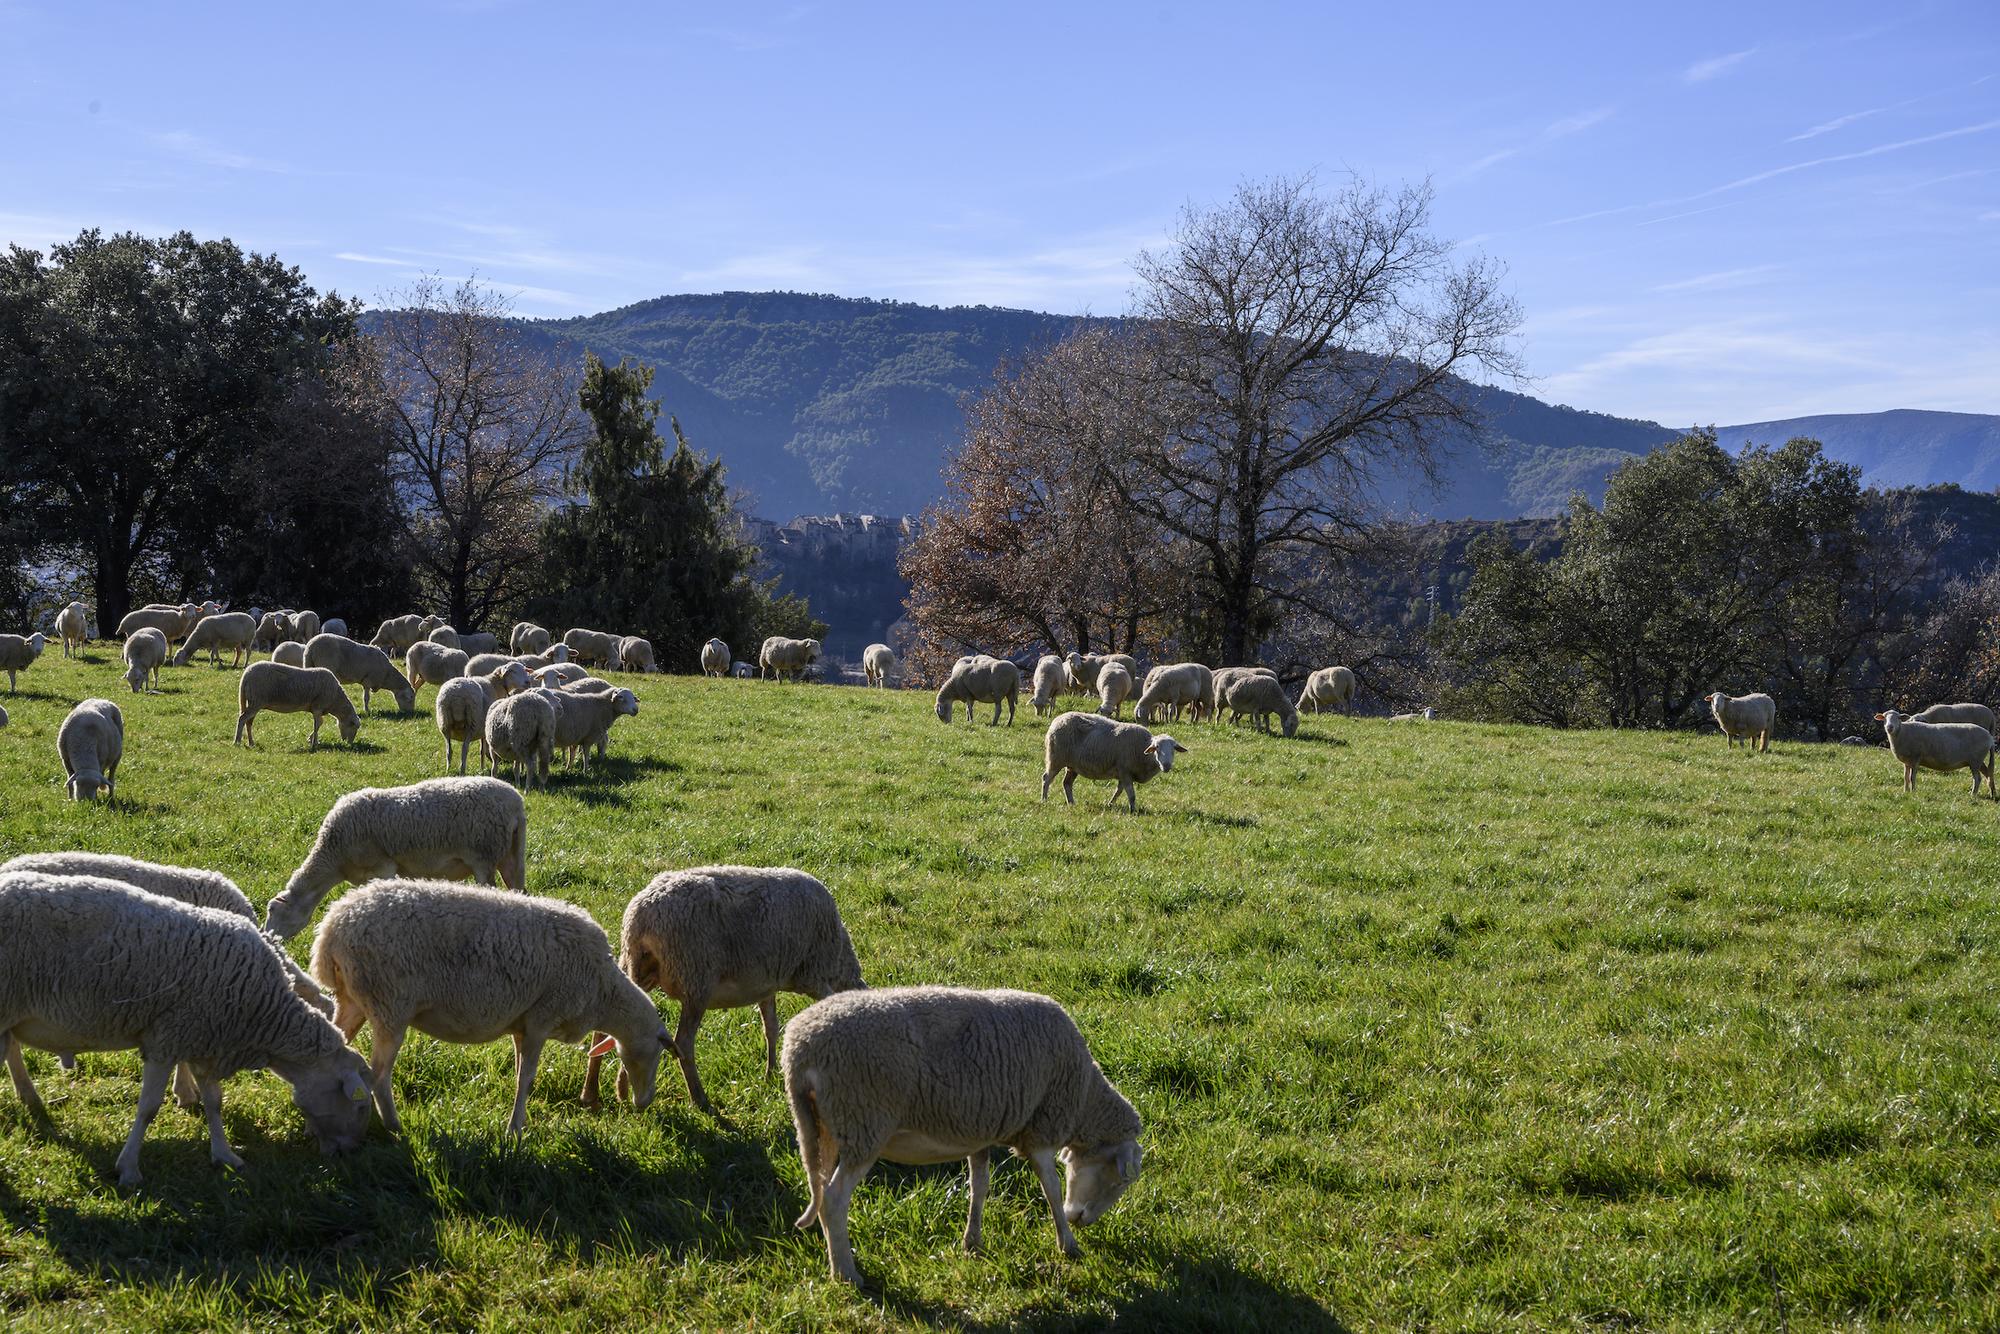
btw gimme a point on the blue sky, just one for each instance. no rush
(1709, 213)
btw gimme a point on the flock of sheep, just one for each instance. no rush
(1942, 738)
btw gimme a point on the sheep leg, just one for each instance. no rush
(243, 728)
(996, 714)
(833, 1208)
(1052, 1189)
(590, 1096)
(684, 1031)
(382, 1065)
(976, 1166)
(24, 1087)
(219, 1151)
(152, 1092)
(187, 1089)
(768, 1008)
(312, 742)
(1047, 778)
(527, 1059)
(1069, 786)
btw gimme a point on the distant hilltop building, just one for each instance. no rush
(849, 536)
(844, 565)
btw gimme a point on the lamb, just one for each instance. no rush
(1423, 715)
(73, 628)
(1329, 688)
(91, 741)
(18, 654)
(1081, 669)
(466, 964)
(444, 828)
(167, 620)
(929, 1074)
(333, 626)
(583, 719)
(444, 636)
(1958, 713)
(521, 732)
(361, 665)
(715, 658)
(292, 653)
(274, 629)
(232, 630)
(781, 657)
(635, 655)
(1114, 683)
(305, 624)
(718, 937)
(396, 634)
(184, 884)
(430, 662)
(145, 653)
(460, 708)
(1051, 675)
(558, 675)
(528, 637)
(1180, 685)
(878, 664)
(1259, 696)
(1939, 746)
(595, 648)
(1748, 716)
(1089, 745)
(277, 688)
(980, 680)
(93, 965)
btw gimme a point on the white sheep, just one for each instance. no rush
(95, 965)
(73, 628)
(584, 719)
(1259, 696)
(594, 648)
(91, 741)
(1329, 688)
(474, 965)
(521, 733)
(428, 663)
(1114, 683)
(1423, 715)
(305, 624)
(442, 828)
(167, 620)
(556, 655)
(527, 637)
(1224, 677)
(396, 634)
(460, 709)
(1089, 745)
(1174, 687)
(17, 654)
(1941, 747)
(559, 675)
(1958, 713)
(444, 637)
(1050, 679)
(333, 625)
(475, 642)
(878, 664)
(930, 1074)
(979, 679)
(145, 653)
(718, 937)
(1081, 669)
(1748, 716)
(635, 655)
(784, 658)
(503, 675)
(272, 630)
(291, 653)
(715, 658)
(232, 630)
(361, 665)
(276, 688)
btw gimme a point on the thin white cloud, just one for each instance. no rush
(194, 148)
(355, 257)
(1721, 278)
(1553, 131)
(1704, 70)
(1842, 122)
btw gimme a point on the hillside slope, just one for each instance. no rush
(1903, 447)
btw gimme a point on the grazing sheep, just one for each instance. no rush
(232, 630)
(786, 658)
(583, 685)
(534, 662)
(167, 620)
(878, 664)
(396, 634)
(18, 654)
(361, 665)
(73, 628)
(479, 664)
(277, 688)
(929, 1074)
(96, 965)
(1114, 683)
(584, 718)
(1328, 688)
(91, 741)
(528, 637)
(274, 629)
(718, 937)
(475, 642)
(1089, 745)
(1174, 687)
(1854, 741)
(443, 828)
(1259, 696)
(593, 648)
(145, 653)
(1081, 669)
(1941, 747)
(461, 707)
(292, 653)
(715, 658)
(333, 626)
(521, 733)
(1224, 677)
(559, 675)
(1958, 713)
(473, 965)
(980, 679)
(1423, 715)
(635, 655)
(1748, 716)
(1051, 677)
(430, 662)
(305, 624)
(503, 675)
(444, 636)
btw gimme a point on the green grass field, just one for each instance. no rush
(1448, 1026)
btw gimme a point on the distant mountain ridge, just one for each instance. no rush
(824, 404)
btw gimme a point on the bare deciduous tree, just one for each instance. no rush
(484, 423)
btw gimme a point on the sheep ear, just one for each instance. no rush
(607, 1045)
(354, 1086)
(1129, 1158)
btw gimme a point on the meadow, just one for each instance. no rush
(1439, 1026)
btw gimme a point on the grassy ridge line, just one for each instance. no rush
(1450, 1025)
